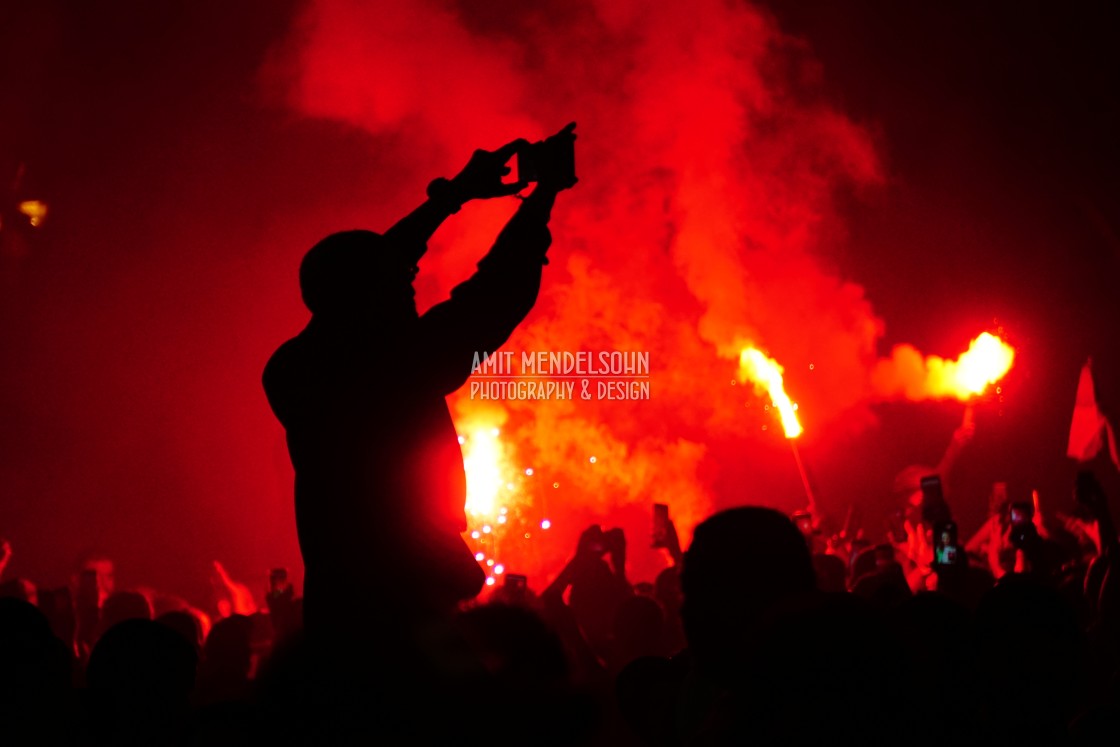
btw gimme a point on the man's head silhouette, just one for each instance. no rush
(357, 275)
(742, 563)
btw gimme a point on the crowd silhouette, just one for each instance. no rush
(766, 629)
(750, 636)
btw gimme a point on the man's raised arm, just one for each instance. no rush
(480, 179)
(483, 311)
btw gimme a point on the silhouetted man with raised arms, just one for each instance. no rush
(380, 486)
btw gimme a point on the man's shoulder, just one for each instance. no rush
(287, 358)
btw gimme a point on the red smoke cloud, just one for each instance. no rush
(709, 168)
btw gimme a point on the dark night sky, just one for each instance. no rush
(998, 124)
(173, 171)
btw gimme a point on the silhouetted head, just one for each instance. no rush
(885, 587)
(357, 275)
(140, 675)
(832, 574)
(125, 605)
(741, 563)
(229, 647)
(20, 588)
(515, 644)
(102, 565)
(824, 669)
(186, 625)
(1030, 658)
(907, 486)
(648, 695)
(34, 663)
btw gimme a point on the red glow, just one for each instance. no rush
(725, 200)
(697, 233)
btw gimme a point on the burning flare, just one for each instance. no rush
(987, 360)
(907, 374)
(483, 460)
(766, 375)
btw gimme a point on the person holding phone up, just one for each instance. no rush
(380, 486)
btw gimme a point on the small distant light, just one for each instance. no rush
(503, 510)
(501, 520)
(795, 407)
(490, 562)
(999, 390)
(495, 432)
(489, 580)
(529, 472)
(811, 366)
(479, 557)
(35, 211)
(527, 535)
(545, 524)
(592, 460)
(462, 439)
(486, 529)
(766, 408)
(475, 534)
(499, 570)
(509, 486)
(555, 484)
(733, 382)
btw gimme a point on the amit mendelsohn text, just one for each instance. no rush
(565, 363)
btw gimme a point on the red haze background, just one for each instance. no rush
(825, 182)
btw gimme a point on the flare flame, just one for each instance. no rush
(909, 375)
(766, 375)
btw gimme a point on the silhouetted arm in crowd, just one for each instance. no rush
(961, 436)
(1090, 495)
(234, 597)
(5, 555)
(483, 311)
(616, 551)
(588, 551)
(673, 544)
(87, 609)
(998, 538)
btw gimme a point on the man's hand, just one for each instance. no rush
(481, 178)
(673, 544)
(592, 543)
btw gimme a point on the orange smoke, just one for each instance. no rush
(709, 161)
(908, 375)
(766, 375)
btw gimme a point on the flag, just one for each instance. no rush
(1089, 429)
